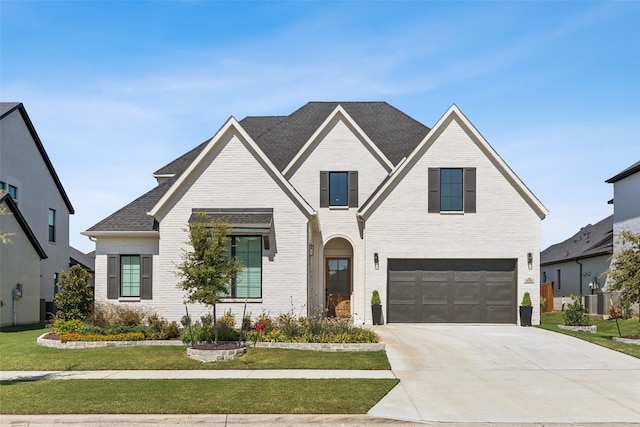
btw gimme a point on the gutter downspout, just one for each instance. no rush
(580, 278)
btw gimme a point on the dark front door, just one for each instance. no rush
(338, 286)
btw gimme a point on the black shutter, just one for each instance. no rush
(434, 190)
(113, 276)
(324, 189)
(353, 189)
(146, 283)
(469, 182)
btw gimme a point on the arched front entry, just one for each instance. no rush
(338, 276)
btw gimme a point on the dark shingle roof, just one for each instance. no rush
(590, 241)
(625, 173)
(86, 261)
(133, 217)
(15, 213)
(281, 138)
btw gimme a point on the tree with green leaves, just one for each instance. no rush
(208, 268)
(624, 272)
(74, 300)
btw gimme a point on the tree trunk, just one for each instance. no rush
(215, 325)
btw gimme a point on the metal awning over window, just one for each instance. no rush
(239, 220)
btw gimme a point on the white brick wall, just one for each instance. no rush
(504, 226)
(338, 149)
(230, 177)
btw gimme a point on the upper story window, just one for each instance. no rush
(452, 190)
(338, 189)
(11, 189)
(52, 225)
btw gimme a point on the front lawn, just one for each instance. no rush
(606, 330)
(221, 396)
(19, 352)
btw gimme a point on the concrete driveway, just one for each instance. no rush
(507, 374)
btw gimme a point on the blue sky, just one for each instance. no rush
(118, 89)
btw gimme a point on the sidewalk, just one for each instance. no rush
(194, 374)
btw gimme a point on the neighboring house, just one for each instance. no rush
(19, 267)
(27, 174)
(626, 202)
(86, 261)
(576, 265)
(327, 205)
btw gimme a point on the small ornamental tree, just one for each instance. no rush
(624, 272)
(208, 268)
(74, 300)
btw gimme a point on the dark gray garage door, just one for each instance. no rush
(452, 290)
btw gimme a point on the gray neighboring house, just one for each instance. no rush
(20, 258)
(626, 201)
(86, 261)
(576, 265)
(27, 174)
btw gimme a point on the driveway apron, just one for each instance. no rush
(505, 373)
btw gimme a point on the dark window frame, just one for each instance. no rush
(114, 277)
(434, 191)
(351, 189)
(52, 225)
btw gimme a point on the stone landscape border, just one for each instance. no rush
(291, 345)
(634, 341)
(592, 329)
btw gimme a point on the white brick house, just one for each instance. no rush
(330, 203)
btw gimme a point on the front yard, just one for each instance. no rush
(276, 396)
(606, 330)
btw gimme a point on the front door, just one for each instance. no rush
(338, 286)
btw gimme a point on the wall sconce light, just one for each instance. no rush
(376, 260)
(311, 250)
(530, 260)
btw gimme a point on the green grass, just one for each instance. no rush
(19, 352)
(606, 330)
(238, 396)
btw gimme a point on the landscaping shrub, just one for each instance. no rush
(161, 329)
(74, 336)
(576, 314)
(287, 328)
(203, 331)
(105, 315)
(88, 329)
(63, 326)
(74, 299)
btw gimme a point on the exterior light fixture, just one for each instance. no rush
(530, 260)
(376, 260)
(311, 248)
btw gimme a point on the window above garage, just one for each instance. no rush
(452, 190)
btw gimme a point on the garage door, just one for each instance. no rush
(452, 290)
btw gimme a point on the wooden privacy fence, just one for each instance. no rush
(546, 291)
